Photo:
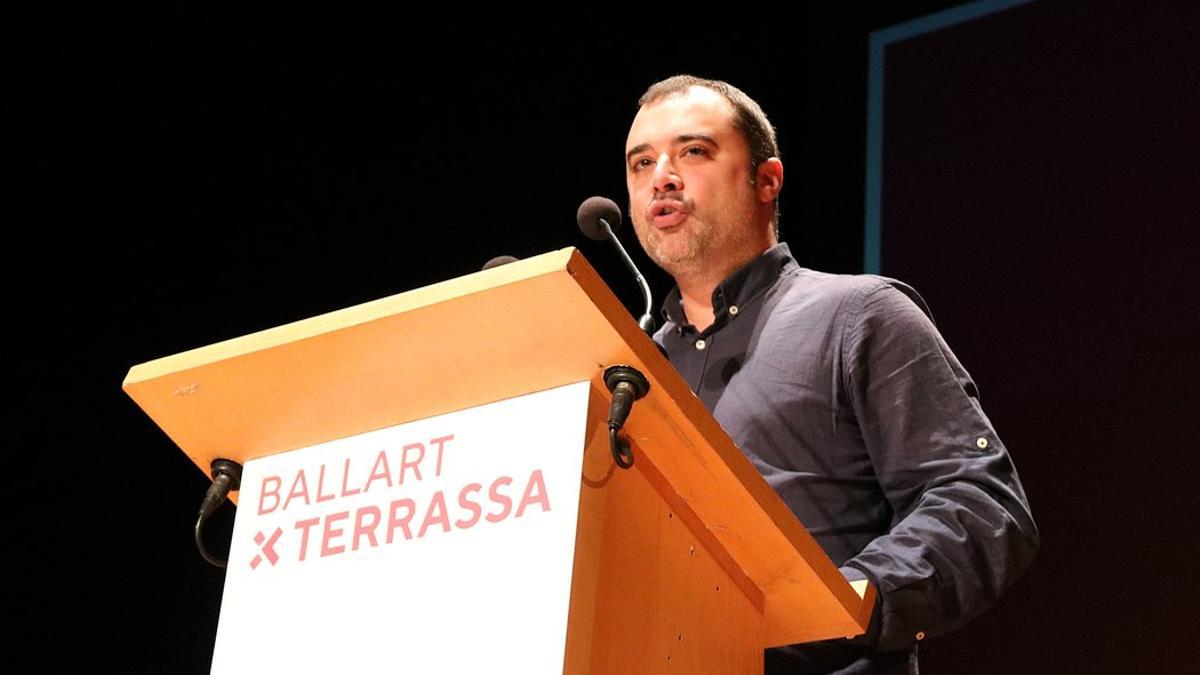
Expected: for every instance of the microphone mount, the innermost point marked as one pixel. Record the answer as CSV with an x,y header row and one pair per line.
x,y
627,385
227,477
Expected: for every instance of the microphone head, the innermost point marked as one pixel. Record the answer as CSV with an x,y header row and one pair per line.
x,y
592,210
498,261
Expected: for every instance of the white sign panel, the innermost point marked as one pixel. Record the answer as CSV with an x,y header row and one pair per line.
x,y
438,546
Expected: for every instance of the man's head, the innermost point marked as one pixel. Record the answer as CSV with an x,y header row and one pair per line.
x,y
703,175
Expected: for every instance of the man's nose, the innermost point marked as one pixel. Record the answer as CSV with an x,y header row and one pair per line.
x,y
665,178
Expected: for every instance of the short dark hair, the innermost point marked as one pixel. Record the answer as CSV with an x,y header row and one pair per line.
x,y
748,117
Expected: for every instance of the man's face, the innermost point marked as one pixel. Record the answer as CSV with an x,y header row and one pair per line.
x,y
688,173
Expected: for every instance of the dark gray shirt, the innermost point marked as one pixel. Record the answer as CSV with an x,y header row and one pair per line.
x,y
844,396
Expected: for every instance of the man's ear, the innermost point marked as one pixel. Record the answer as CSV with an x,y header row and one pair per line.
x,y
768,179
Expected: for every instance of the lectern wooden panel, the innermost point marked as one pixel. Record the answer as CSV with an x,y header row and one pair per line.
x,y
520,328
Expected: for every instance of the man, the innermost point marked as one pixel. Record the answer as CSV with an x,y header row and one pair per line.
x,y
838,388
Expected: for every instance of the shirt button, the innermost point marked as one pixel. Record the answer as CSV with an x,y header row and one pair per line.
x,y
700,344
981,443
733,309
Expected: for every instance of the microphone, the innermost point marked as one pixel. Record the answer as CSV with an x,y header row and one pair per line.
x,y
498,261
598,219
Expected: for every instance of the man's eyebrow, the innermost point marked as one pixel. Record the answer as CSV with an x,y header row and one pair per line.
x,y
688,138
682,138
636,150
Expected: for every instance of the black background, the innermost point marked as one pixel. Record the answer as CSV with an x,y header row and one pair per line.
x,y
183,178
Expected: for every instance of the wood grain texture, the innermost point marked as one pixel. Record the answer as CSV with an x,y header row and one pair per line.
x,y
648,594
520,328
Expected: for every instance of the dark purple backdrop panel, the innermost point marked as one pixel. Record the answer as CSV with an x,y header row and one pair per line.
x,y
1040,188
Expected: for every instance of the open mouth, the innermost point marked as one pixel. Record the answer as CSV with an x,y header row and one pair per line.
x,y
667,214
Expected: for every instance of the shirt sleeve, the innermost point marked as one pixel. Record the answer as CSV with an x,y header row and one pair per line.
x,y
962,530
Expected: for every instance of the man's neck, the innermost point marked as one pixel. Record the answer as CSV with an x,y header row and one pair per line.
x,y
697,304
696,289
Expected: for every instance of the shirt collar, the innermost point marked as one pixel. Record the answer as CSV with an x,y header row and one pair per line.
x,y
740,288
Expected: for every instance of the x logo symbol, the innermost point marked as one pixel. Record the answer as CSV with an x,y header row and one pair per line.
x,y
268,549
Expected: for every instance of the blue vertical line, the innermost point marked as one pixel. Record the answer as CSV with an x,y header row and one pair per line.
x,y
872,244
877,47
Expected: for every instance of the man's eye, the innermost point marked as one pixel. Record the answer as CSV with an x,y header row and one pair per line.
x,y
642,163
696,150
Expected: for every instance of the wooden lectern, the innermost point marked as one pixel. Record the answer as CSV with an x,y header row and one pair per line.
x,y
687,562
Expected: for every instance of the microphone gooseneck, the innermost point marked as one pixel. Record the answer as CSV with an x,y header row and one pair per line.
x,y
599,218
